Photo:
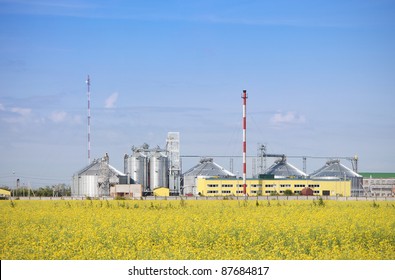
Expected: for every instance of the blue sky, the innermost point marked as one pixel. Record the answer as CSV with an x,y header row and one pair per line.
x,y
320,78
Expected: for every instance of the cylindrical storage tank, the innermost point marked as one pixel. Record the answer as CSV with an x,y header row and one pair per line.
x,y
159,166
137,167
88,185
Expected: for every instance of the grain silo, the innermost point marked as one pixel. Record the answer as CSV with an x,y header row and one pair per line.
x,y
136,165
334,170
148,167
282,169
206,168
158,169
95,179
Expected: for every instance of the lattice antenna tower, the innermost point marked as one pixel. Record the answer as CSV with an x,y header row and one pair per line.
x,y
88,84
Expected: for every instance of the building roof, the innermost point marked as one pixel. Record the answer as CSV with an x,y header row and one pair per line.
x,y
377,175
334,169
207,167
282,169
96,166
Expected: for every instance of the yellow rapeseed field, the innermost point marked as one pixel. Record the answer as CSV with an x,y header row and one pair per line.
x,y
197,230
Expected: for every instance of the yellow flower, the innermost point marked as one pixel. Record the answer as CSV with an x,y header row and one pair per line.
x,y
196,230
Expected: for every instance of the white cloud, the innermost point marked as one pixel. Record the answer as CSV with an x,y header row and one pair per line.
x,y
58,116
279,119
19,114
24,112
110,101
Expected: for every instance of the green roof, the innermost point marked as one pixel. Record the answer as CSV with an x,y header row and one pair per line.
x,y
377,175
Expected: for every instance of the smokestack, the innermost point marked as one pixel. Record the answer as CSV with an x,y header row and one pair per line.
x,y
244,96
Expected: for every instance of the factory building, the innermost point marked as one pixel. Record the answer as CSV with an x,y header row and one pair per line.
x,y
126,190
378,184
333,180
262,187
4,194
206,168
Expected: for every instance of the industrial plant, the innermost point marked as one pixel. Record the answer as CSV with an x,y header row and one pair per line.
x,y
158,172
155,168
147,171
155,171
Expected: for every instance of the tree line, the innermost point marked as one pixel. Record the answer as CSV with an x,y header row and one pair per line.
x,y
54,191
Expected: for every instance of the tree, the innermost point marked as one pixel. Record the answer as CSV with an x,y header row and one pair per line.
x,y
288,192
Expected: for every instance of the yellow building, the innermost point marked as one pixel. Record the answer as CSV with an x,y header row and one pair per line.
x,y
161,191
5,194
255,187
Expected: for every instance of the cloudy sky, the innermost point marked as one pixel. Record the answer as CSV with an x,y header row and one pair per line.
x,y
320,78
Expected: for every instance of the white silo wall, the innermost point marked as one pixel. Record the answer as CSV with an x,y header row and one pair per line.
x,y
88,185
159,166
137,167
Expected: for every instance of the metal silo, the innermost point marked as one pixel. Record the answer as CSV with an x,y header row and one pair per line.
x,y
159,166
88,185
281,169
85,181
95,179
334,170
137,167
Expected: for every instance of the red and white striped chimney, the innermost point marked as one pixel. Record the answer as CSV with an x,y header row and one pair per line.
x,y
244,96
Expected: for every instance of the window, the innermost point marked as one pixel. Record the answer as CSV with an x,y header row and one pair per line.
x,y
316,192
240,186
314,186
212,191
239,191
227,186
256,186
225,192
269,186
299,186
285,186
326,192
212,186
270,192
